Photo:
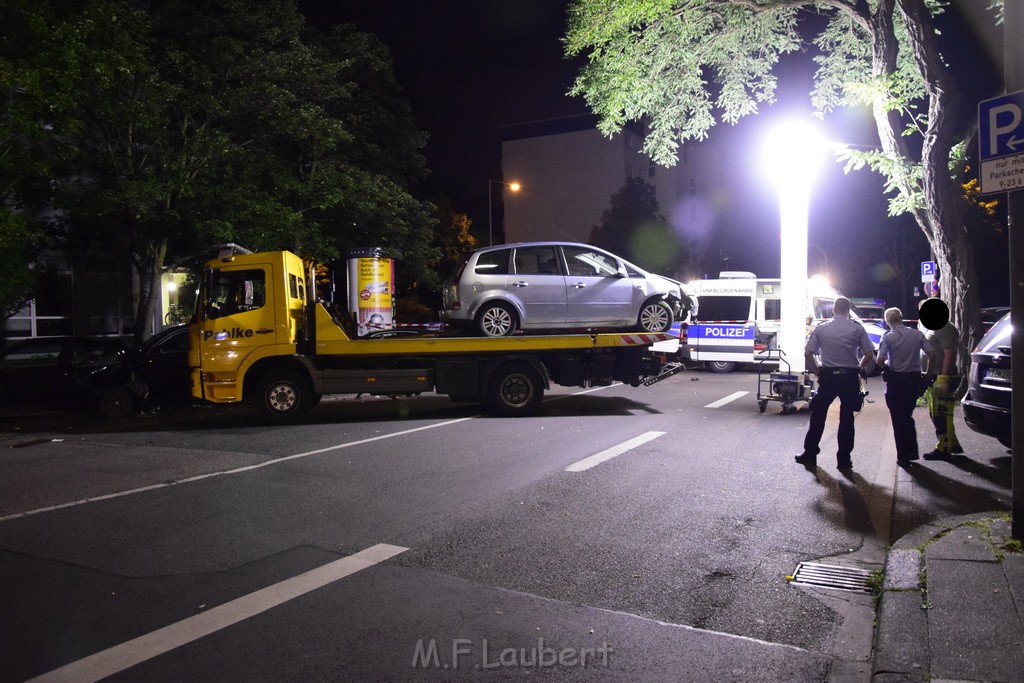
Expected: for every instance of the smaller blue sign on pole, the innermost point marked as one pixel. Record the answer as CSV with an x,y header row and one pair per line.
x,y
928,271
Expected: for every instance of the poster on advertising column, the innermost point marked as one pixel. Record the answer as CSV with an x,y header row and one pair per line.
x,y
371,280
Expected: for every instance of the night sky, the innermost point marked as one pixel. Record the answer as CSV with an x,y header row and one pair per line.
x,y
468,67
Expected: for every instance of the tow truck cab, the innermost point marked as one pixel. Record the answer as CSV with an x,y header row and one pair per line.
x,y
252,308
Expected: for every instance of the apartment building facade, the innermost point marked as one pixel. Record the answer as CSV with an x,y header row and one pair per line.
x,y
569,172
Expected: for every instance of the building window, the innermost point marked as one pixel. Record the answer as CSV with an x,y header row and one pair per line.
x,y
52,312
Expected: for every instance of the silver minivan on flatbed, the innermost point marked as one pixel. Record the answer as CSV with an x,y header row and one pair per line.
x,y
557,286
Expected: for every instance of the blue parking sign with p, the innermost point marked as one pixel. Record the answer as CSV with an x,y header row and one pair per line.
x,y
927,271
1001,126
1001,143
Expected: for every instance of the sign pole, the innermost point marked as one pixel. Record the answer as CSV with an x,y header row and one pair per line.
x,y
1013,75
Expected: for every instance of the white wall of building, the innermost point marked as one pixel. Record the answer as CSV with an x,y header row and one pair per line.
x,y
568,179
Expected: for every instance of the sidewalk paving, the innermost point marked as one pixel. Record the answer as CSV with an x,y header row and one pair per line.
x,y
950,607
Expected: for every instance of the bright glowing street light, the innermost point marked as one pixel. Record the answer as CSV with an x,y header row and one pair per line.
x,y
792,154
513,186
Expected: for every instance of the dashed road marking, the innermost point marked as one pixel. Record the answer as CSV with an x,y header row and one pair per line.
x,y
728,399
612,452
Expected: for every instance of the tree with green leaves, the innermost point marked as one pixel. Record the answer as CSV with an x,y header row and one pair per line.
x,y
633,227
420,299
219,120
19,245
683,65
35,67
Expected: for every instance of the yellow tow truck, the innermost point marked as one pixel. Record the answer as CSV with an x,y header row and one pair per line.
x,y
262,335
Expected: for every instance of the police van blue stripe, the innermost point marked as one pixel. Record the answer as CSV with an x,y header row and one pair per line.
x,y
720,332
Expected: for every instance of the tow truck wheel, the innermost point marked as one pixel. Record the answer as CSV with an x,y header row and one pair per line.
x,y
719,365
516,389
496,320
655,316
283,395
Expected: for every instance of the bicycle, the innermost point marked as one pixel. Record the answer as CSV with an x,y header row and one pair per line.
x,y
177,315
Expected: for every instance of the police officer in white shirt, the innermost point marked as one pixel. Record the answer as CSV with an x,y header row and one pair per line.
x,y
899,356
838,342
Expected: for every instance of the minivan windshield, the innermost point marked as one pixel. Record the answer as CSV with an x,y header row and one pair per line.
x,y
723,309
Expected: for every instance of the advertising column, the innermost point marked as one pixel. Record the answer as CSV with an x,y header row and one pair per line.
x,y
371,290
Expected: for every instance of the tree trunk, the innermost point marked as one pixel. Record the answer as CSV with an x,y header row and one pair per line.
x,y
944,205
150,269
941,214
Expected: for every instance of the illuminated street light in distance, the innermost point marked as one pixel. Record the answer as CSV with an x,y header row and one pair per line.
x,y
514,186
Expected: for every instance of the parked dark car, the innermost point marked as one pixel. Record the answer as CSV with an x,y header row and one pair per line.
x,y
162,363
68,372
991,315
987,402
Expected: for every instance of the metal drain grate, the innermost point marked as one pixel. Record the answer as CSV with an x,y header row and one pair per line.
x,y
832,576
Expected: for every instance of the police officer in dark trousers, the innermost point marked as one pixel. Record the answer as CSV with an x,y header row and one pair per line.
x,y
899,356
837,341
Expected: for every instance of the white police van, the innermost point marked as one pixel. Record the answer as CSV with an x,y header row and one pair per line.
x,y
738,318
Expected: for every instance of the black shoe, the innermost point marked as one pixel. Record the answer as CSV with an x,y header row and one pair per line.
x,y
911,458
807,460
905,462
844,465
957,450
936,455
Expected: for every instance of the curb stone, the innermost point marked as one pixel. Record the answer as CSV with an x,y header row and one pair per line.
x,y
905,649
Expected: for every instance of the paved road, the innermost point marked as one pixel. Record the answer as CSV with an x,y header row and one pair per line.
x,y
417,539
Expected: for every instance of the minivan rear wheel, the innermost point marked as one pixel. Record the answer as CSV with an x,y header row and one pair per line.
x,y
496,319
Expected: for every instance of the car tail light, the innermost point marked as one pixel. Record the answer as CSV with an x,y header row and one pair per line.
x,y
458,273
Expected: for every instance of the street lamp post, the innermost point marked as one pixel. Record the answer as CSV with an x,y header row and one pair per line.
x,y
792,155
513,186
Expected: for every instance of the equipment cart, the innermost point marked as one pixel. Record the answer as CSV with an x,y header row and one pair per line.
x,y
781,384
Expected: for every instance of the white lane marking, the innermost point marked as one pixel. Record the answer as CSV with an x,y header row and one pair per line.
x,y
599,458
728,399
128,654
237,470
548,399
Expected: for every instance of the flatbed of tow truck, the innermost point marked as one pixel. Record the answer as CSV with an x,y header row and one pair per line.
x,y
261,335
